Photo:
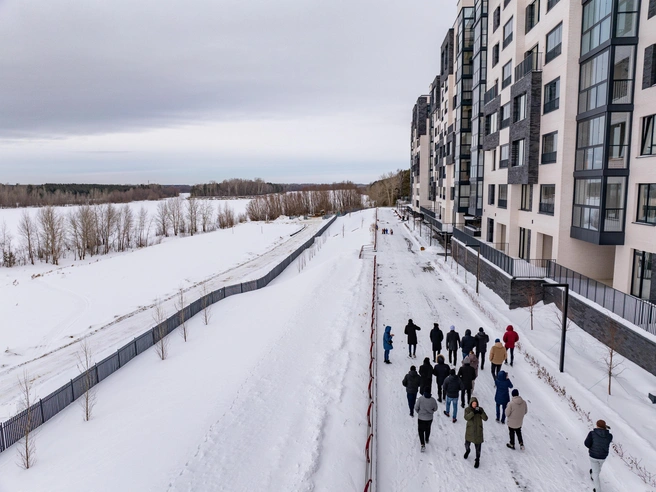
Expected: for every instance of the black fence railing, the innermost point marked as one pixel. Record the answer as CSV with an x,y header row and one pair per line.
x,y
553,53
14,428
550,106
549,157
491,94
530,64
547,208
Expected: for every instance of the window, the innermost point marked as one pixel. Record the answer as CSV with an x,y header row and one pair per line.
x,y
518,153
551,3
649,67
508,33
505,116
502,201
526,203
648,142
587,200
618,140
614,206
494,159
495,55
505,156
596,24
490,194
641,279
491,123
549,148
547,199
506,77
590,144
524,243
594,83
552,96
623,74
532,15
554,43
519,109
652,9
626,19
647,203
496,19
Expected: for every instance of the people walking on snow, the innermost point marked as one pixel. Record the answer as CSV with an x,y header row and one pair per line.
x,y
502,395
411,330
441,371
452,343
515,412
426,377
452,387
497,357
481,345
387,343
474,415
467,374
467,343
425,407
391,232
436,337
473,361
411,382
510,338
598,444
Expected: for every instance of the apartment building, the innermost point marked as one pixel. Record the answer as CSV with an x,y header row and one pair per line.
x,y
420,153
552,106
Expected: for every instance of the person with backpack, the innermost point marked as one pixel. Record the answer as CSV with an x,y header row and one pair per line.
x,y
497,357
452,343
425,377
481,345
473,361
467,343
510,338
441,372
436,337
425,407
502,395
387,343
598,444
411,382
452,387
475,416
515,412
467,374
411,330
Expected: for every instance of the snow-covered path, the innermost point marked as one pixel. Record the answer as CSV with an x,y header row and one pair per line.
x,y
413,286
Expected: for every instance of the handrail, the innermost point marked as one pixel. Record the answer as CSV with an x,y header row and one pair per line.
x,y
370,447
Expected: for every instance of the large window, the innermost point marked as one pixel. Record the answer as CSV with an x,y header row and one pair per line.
x,y
547,199
526,202
614,207
505,156
626,19
623,74
649,66
590,144
552,96
518,153
648,138
641,282
506,79
524,243
519,111
551,3
502,202
594,83
495,55
587,200
496,19
549,148
532,15
505,116
490,194
647,203
618,145
508,33
554,43
596,24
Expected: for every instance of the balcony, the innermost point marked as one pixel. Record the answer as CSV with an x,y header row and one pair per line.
x,y
546,208
532,63
491,94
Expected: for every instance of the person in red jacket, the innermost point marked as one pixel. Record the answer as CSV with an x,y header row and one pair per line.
x,y
510,338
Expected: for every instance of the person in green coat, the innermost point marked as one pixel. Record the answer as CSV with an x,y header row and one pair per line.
x,y
474,415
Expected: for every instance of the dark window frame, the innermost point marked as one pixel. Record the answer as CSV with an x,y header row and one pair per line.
x,y
502,202
547,207
507,38
508,80
496,19
495,55
515,153
490,194
549,157
551,104
555,50
648,209
648,134
504,163
526,198
532,15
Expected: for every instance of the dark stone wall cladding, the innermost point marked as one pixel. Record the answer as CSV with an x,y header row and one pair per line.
x,y
516,293
447,46
528,129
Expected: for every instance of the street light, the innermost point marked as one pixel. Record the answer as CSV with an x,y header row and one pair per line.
x,y
478,263
562,337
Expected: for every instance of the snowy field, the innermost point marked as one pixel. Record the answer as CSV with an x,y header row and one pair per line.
x,y
272,395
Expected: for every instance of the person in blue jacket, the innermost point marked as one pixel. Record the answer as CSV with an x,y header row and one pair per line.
x,y
387,343
502,396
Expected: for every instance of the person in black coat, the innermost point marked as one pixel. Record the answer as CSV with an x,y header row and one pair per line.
x,y
436,337
441,371
467,344
411,381
452,387
481,345
452,343
426,377
411,330
467,374
598,444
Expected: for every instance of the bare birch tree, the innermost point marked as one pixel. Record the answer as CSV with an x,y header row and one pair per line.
x,y
142,228
162,342
27,231
85,365
26,446
206,214
53,234
163,218
192,215
176,215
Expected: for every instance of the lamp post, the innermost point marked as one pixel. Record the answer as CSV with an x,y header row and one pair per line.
x,y
478,263
564,333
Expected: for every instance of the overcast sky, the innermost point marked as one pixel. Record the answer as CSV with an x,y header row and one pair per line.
x,y
187,91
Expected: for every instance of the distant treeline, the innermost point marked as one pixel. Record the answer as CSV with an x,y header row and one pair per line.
x,y
14,196
257,186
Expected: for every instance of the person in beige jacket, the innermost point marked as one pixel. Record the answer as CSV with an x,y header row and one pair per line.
x,y
497,357
515,412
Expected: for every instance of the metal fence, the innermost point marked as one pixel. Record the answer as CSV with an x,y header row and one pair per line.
x,y
41,411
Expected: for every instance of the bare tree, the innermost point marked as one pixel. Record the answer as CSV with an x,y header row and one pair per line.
x,y
192,214
611,361
162,342
207,306
180,306
85,365
176,215
124,226
53,234
532,299
142,228
163,218
226,216
206,214
27,448
8,256
106,225
27,230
